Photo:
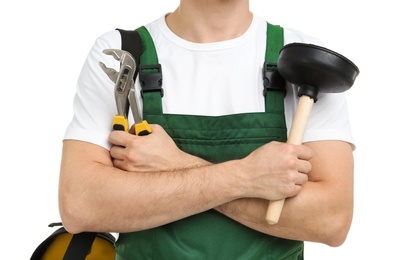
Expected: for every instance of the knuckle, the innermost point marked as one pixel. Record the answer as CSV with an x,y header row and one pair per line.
x,y
291,164
292,178
289,148
129,155
290,190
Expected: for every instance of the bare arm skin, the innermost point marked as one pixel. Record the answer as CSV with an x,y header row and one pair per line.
x,y
94,195
321,212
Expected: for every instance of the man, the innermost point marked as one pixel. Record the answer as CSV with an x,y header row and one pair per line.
x,y
172,203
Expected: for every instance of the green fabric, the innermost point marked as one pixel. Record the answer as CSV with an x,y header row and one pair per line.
x,y
218,139
275,39
208,235
149,57
211,235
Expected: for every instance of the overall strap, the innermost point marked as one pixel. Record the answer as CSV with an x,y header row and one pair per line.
x,y
132,43
150,73
274,83
140,44
274,43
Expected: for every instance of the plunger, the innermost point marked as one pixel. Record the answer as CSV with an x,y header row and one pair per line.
x,y
313,69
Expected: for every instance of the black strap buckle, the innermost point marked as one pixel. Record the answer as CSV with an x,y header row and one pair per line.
x,y
151,78
272,80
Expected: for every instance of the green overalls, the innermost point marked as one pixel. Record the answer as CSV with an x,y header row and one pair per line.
x,y
211,235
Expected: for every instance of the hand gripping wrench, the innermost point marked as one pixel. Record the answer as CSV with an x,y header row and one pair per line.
x,y
125,92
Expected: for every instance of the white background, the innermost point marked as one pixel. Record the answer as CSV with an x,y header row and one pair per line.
x,y
44,44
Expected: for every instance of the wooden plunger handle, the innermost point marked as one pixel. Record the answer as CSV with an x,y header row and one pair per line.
x,y
296,134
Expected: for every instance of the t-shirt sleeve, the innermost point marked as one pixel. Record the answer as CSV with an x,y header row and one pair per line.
x,y
329,118
94,101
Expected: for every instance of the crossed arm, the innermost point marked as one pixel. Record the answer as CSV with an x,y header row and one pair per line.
x,y
144,182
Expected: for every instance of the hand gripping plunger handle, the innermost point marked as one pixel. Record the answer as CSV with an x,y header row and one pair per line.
x,y
295,137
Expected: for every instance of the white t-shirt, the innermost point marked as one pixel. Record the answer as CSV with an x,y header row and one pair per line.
x,y
209,79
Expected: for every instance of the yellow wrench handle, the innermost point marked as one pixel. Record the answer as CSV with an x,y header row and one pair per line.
x,y
142,128
120,123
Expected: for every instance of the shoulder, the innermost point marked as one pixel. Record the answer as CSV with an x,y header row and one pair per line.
x,y
109,39
157,27
290,34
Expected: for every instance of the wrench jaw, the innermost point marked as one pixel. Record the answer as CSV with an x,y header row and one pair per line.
x,y
125,58
111,73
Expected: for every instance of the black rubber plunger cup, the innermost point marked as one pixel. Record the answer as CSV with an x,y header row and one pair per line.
x,y
313,69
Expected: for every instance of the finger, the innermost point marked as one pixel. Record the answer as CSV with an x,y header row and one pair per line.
x,y
304,166
120,164
303,178
118,138
305,153
116,152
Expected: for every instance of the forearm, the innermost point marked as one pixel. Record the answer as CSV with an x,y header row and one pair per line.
x,y
321,212
97,196
309,216
109,199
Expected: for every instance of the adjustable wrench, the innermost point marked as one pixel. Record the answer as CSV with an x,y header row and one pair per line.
x,y
125,92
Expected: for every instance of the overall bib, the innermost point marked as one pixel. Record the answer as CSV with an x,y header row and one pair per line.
x,y
211,235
